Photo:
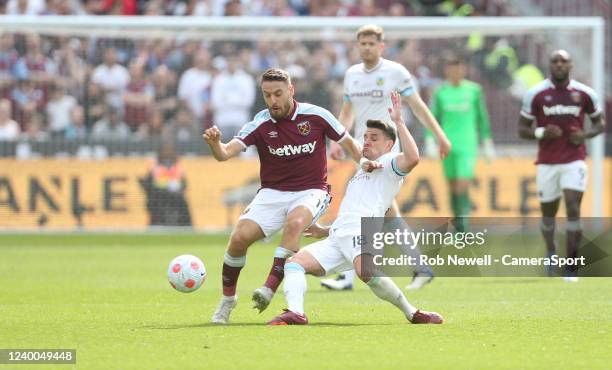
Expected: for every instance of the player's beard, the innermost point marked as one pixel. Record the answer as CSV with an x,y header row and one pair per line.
x,y
282,113
560,77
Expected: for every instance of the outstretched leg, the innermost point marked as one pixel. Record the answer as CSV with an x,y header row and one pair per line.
x,y
295,288
384,288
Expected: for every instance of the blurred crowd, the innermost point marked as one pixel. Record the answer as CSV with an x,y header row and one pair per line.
x,y
363,8
114,89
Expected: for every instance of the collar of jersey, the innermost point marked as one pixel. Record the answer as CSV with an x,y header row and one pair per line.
x,y
561,87
380,62
295,112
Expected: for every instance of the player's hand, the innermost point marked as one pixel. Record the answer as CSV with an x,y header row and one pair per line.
x,y
444,147
395,112
431,149
552,132
335,151
369,166
577,136
212,135
316,231
488,150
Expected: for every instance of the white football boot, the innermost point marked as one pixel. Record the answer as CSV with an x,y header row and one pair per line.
x,y
262,298
224,309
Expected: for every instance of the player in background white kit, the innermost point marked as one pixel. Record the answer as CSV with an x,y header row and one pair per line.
x,y
367,88
368,194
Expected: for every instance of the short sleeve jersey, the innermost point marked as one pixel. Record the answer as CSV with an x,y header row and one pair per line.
x,y
369,194
292,150
563,106
369,91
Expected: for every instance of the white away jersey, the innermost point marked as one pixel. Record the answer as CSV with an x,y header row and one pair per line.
x,y
368,195
369,91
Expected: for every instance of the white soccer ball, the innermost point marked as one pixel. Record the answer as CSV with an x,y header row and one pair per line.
x,y
186,273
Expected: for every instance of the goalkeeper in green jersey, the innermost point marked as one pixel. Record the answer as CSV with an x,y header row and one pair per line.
x,y
459,106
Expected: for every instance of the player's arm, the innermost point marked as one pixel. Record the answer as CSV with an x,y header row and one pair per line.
x,y
527,131
347,115
484,126
352,147
409,157
598,124
430,146
423,114
317,231
347,119
221,152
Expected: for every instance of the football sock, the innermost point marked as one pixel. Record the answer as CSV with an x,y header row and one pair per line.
x,y
295,287
231,271
385,289
574,235
397,223
547,227
278,265
461,210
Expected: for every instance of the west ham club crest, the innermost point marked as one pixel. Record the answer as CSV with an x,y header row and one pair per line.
x,y
304,128
576,97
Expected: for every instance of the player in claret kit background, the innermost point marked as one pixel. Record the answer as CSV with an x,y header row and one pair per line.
x,y
558,106
290,140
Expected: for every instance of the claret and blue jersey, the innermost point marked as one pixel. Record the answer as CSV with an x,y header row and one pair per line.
x,y
292,150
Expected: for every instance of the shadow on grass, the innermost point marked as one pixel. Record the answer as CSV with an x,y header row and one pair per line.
x,y
514,280
250,324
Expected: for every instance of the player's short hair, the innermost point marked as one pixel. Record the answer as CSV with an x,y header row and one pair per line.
x,y
453,59
371,30
561,53
276,74
386,128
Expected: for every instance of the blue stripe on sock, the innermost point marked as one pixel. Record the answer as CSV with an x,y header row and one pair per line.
x,y
294,266
281,252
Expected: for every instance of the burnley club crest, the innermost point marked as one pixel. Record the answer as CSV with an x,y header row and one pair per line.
x,y
304,128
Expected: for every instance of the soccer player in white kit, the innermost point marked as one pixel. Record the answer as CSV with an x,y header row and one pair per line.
x,y
367,88
369,194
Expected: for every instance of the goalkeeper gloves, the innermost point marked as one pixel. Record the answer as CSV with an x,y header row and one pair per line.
x,y
488,149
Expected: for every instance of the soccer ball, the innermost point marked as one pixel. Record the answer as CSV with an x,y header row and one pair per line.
x,y
186,273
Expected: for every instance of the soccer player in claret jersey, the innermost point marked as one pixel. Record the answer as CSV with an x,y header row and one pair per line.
x,y
369,194
290,140
367,89
558,106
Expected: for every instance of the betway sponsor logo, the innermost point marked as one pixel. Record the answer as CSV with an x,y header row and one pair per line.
x,y
558,110
288,150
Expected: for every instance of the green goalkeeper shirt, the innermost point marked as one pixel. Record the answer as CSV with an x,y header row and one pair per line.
x,y
462,113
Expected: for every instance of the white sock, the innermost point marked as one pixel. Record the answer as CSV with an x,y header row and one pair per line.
x,y
295,287
349,276
385,289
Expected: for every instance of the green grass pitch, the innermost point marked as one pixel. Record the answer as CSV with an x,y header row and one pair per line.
x,y
107,296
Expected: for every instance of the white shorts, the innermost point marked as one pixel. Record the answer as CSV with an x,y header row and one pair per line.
x,y
270,207
552,179
335,254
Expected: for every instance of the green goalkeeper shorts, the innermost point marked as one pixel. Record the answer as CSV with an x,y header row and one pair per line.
x,y
460,165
